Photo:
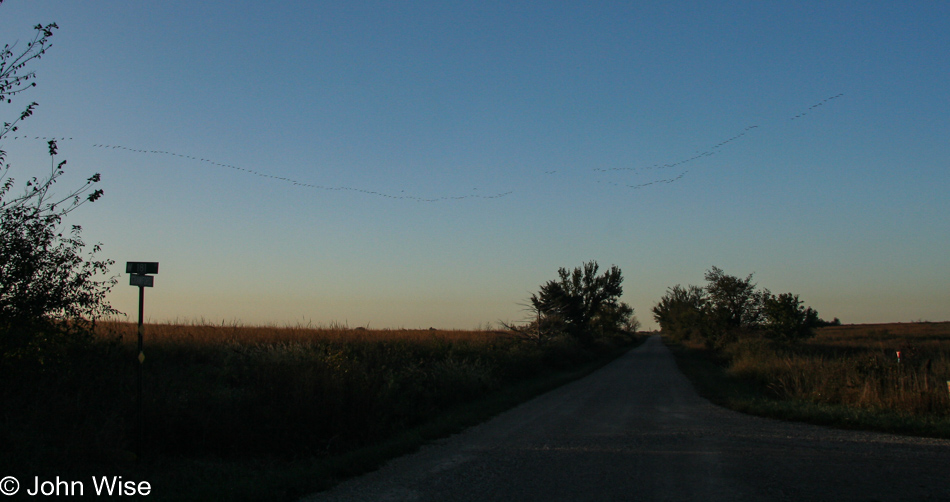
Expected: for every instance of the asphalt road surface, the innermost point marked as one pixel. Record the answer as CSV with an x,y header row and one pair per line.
x,y
637,430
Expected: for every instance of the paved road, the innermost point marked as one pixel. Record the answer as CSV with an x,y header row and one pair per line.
x,y
636,430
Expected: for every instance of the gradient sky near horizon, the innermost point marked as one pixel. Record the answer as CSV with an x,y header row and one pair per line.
x,y
421,163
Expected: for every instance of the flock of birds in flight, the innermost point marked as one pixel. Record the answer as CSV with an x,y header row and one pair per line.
x,y
707,153
655,167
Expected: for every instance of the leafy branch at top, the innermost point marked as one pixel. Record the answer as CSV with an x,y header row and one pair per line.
x,y
13,78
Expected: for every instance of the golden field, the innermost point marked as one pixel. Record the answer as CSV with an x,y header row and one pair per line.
x,y
856,365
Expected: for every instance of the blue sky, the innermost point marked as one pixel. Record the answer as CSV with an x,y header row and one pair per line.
x,y
416,164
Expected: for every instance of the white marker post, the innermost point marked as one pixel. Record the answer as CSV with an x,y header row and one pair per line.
x,y
139,277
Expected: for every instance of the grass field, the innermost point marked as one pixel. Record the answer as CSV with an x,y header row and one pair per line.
x,y
846,375
267,411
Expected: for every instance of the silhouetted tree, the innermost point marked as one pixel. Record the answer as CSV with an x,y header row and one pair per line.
x,y
682,312
614,317
734,304
730,307
582,303
785,318
50,294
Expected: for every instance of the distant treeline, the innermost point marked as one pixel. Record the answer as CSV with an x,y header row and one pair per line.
x,y
729,308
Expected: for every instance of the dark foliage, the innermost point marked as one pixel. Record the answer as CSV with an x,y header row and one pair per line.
x,y
682,313
733,303
51,293
730,308
582,304
784,317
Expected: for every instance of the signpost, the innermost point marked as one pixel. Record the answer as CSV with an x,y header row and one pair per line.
x,y
139,277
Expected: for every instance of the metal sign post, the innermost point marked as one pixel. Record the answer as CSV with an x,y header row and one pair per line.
x,y
138,277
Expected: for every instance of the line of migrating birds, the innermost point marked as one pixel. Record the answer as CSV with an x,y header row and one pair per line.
x,y
655,167
310,185
816,105
709,152
680,162
280,178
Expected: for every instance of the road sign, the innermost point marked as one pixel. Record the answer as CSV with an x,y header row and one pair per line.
x,y
141,267
145,281
137,271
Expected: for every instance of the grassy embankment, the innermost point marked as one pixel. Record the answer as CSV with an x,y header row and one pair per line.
x,y
255,413
846,376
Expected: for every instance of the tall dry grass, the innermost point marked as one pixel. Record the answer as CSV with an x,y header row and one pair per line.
x,y
855,365
233,391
